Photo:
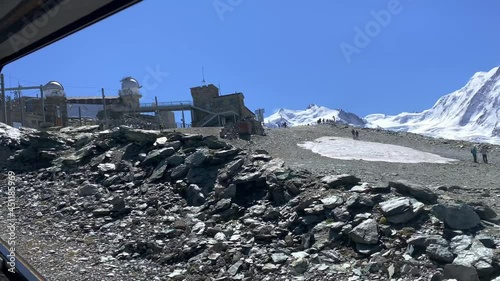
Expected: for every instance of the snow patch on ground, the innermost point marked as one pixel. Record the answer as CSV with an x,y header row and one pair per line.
x,y
349,149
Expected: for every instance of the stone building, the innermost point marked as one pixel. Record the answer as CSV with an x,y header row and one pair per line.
x,y
213,109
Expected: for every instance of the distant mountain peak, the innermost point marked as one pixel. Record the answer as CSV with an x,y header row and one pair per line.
x,y
470,113
310,115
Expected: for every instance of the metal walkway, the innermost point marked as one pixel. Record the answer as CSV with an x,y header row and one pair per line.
x,y
162,106
175,106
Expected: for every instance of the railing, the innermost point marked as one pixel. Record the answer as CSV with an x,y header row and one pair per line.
x,y
172,103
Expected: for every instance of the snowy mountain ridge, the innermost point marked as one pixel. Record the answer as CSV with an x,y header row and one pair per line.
x,y
471,113
310,116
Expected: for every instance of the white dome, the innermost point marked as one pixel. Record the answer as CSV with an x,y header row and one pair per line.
x,y
129,83
53,89
129,86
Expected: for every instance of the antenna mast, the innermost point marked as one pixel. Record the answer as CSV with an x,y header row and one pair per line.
x,y
203,75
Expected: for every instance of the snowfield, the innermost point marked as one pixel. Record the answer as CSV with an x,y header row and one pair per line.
x,y
349,149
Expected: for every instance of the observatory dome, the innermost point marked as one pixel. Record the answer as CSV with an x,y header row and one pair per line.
x,y
53,89
129,86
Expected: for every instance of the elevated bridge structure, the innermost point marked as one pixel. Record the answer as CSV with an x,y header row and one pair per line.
x,y
211,118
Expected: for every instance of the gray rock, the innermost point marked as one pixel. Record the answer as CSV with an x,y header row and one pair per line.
x,y
401,210
300,265
279,258
179,171
485,212
101,212
138,136
88,190
326,232
106,167
230,170
160,142
439,253
365,233
460,243
159,171
460,216
362,188
194,196
235,268
332,202
173,144
478,256
426,240
175,160
487,241
421,193
156,156
118,204
460,273
213,142
226,153
269,267
335,181
197,158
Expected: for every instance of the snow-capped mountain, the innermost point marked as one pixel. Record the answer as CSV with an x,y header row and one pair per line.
x,y
471,113
310,116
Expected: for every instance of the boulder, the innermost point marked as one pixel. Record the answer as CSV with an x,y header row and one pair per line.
x,y
457,216
401,210
421,193
460,273
142,137
365,233
460,243
88,190
157,155
332,201
478,257
439,253
197,158
335,181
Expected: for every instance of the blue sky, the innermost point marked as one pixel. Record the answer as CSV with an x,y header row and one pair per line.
x,y
280,53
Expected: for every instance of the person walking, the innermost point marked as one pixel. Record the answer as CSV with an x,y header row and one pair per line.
x,y
474,153
353,134
484,152
357,134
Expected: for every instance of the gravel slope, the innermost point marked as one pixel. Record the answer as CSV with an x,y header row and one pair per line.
x,y
476,181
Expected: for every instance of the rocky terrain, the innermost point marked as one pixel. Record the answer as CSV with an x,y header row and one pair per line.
x,y
128,204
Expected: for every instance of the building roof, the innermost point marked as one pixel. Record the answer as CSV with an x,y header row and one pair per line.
x,y
253,114
234,94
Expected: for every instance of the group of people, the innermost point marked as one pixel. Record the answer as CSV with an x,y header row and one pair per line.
x,y
355,134
483,149
282,124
